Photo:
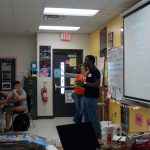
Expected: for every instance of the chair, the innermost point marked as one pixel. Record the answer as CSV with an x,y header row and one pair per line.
x,y
29,109
23,113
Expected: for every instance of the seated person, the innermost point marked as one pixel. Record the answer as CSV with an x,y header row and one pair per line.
x,y
2,96
19,102
2,101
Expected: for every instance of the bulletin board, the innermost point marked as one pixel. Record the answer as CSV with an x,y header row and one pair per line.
x,y
115,72
7,73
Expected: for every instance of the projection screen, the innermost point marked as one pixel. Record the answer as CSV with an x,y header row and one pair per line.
x,y
137,54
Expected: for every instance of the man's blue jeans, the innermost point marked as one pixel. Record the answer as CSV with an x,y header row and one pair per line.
x,y
90,107
79,105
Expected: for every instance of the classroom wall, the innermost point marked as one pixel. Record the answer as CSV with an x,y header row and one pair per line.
x,y
114,26
95,43
23,47
139,119
78,41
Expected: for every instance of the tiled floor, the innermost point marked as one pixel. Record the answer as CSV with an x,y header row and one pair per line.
x,y
47,127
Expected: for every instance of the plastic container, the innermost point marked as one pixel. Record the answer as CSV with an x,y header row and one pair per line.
x,y
107,136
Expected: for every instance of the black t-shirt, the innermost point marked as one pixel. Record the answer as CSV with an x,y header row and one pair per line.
x,y
93,75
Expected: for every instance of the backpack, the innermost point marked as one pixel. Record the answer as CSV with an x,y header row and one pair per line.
x,y
21,122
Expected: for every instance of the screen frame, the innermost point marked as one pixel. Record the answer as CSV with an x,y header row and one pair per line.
x,y
135,99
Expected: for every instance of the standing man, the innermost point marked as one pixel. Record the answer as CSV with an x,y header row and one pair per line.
x,y
91,94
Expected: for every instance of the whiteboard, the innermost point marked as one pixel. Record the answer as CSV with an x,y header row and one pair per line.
x,y
115,72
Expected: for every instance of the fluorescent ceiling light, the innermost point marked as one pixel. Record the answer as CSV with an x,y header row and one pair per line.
x,y
65,28
69,12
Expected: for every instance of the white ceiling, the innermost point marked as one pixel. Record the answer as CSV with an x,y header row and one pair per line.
x,y
25,16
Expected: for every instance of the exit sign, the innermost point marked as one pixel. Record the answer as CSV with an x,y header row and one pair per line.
x,y
65,36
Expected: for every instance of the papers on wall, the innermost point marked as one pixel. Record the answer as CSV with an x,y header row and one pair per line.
x,y
68,98
73,62
100,66
72,80
57,73
138,120
115,72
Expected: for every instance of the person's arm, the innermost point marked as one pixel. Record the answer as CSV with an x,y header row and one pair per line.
x,y
10,97
96,82
78,82
70,75
17,96
94,85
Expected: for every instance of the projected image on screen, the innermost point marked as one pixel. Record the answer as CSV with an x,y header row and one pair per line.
x,y
137,54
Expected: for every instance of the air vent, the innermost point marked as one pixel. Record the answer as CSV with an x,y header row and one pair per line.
x,y
48,17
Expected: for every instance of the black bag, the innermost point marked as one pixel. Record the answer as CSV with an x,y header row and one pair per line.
x,y
21,122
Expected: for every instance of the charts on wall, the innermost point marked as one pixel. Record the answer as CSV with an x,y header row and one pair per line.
x,y
68,97
115,72
7,73
45,61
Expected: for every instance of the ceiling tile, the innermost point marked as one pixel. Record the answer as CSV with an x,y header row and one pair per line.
x,y
28,10
28,2
27,27
25,17
92,4
5,3
7,29
6,16
61,3
5,10
7,22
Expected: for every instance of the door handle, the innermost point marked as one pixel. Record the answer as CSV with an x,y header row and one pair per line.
x,y
59,86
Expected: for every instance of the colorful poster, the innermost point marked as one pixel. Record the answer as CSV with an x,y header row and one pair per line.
x,y
67,62
68,98
45,61
138,120
57,73
72,80
73,62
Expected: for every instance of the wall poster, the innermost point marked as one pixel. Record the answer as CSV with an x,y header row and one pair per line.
x,y
68,98
110,40
45,61
103,42
7,73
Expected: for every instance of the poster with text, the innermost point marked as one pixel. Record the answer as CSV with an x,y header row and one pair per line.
x,y
45,61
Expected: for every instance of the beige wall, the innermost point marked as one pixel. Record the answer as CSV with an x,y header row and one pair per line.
x,y
25,49
21,46
95,43
114,26
78,41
